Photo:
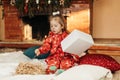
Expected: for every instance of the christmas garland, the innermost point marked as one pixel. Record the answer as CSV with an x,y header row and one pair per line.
x,y
40,7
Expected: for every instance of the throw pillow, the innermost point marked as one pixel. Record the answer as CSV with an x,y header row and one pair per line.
x,y
30,52
84,72
100,60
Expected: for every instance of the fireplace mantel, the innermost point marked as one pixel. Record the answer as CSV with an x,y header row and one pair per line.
x,y
20,45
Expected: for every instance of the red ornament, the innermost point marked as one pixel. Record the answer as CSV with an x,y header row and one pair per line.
x,y
26,8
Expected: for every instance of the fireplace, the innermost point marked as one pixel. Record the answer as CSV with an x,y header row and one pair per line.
x,y
11,31
39,25
11,34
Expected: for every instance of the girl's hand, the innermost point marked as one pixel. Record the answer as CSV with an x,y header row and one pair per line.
x,y
37,52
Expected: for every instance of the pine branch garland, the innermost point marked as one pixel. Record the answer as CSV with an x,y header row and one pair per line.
x,y
38,7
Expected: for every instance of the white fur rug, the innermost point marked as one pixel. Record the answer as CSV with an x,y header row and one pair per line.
x,y
8,63
10,60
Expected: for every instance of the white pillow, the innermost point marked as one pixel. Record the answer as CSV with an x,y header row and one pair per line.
x,y
84,72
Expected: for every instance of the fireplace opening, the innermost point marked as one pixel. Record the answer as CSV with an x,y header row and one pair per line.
x,y
39,25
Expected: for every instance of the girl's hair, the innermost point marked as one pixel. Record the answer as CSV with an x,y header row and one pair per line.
x,y
60,19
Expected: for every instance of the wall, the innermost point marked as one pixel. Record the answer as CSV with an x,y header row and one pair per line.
x,y
106,19
79,18
1,24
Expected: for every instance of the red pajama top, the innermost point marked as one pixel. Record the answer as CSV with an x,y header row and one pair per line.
x,y
52,43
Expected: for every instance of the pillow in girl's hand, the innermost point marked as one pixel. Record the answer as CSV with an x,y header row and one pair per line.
x,y
100,60
84,72
77,42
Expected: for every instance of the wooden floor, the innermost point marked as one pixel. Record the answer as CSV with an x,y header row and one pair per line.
x,y
109,49
105,49
22,45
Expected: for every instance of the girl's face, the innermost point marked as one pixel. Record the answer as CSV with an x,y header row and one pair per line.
x,y
56,27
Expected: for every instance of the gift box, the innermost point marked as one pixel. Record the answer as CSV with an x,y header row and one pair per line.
x,y
77,42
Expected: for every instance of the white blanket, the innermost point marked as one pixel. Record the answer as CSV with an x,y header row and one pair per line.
x,y
28,77
13,57
9,62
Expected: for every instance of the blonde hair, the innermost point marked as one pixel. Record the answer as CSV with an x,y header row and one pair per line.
x,y
60,19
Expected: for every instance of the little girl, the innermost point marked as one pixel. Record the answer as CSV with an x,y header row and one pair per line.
x,y
57,59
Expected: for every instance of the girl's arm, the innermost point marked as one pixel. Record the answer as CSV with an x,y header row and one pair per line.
x,y
46,46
